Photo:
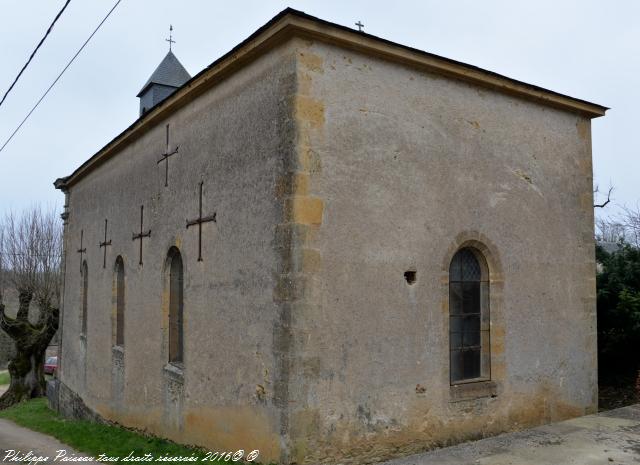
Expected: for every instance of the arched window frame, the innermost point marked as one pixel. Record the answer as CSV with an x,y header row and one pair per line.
x,y
175,271
84,302
469,317
120,290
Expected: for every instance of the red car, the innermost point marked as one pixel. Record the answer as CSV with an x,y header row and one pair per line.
x,y
50,365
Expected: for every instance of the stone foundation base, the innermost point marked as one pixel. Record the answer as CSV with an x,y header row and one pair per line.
x,y
52,394
69,404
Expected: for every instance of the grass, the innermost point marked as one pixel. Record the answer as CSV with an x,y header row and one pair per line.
x,y
94,439
5,378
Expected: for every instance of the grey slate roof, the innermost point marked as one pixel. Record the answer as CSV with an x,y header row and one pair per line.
x,y
169,72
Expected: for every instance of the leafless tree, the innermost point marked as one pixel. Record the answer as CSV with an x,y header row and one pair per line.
x,y
609,230
30,254
604,203
631,221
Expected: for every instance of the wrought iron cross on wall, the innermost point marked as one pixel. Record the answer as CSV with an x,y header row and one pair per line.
x,y
81,250
165,158
199,220
142,234
105,244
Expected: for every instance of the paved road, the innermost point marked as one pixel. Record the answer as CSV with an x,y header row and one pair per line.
x,y
22,441
25,441
611,438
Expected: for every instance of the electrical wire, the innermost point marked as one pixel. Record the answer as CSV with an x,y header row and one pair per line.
x,y
34,52
59,76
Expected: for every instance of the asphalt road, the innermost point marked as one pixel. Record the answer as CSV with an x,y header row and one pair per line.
x,y
609,438
16,442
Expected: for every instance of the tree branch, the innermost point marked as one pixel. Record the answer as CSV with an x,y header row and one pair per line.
x,y
13,327
606,202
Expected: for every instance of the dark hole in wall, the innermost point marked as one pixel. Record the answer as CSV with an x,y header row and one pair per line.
x,y
410,276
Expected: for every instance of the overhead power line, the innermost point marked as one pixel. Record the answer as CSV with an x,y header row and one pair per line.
x,y
59,75
34,52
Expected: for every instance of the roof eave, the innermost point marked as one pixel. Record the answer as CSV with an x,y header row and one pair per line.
x,y
145,88
61,183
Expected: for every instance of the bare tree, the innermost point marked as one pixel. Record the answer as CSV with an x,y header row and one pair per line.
x,y
631,221
31,251
609,230
604,203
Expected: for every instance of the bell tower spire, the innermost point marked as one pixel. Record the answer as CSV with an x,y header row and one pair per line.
x,y
165,80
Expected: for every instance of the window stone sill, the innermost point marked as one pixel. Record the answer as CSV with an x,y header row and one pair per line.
x,y
174,372
118,349
472,390
117,357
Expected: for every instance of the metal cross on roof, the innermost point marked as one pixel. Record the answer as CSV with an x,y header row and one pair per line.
x,y
360,26
170,39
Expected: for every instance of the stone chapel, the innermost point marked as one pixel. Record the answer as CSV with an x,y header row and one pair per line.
x,y
332,248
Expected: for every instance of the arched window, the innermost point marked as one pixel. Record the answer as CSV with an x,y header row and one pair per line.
x,y
176,332
469,317
119,270
85,290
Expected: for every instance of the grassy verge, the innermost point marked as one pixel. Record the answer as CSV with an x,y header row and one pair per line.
x,y
94,439
5,377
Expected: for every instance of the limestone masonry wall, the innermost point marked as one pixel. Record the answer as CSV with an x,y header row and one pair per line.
x,y
401,169
332,173
231,139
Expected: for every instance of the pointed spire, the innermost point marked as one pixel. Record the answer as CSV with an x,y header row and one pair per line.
x,y
165,80
169,72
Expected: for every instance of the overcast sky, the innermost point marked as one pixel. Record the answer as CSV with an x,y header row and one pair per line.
x,y
584,48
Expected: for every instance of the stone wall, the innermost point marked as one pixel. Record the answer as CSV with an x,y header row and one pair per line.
x,y
332,174
231,139
401,168
69,404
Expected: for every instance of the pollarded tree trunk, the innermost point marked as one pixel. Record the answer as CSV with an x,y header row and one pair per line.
x,y
31,341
